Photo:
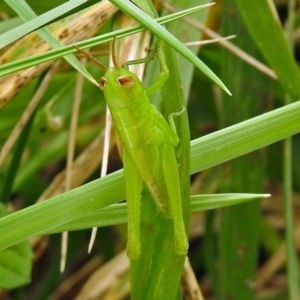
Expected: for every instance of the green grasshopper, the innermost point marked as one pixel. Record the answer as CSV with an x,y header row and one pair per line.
x,y
148,149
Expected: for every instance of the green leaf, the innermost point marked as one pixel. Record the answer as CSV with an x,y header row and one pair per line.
x,y
269,37
170,39
206,202
206,152
244,137
242,232
117,213
150,280
27,14
15,263
57,53
34,22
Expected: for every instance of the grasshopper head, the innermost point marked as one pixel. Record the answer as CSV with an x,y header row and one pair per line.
x,y
120,86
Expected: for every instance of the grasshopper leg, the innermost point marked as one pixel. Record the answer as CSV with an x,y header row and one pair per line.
x,y
133,184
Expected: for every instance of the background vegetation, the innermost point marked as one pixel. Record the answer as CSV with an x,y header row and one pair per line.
x,y
52,132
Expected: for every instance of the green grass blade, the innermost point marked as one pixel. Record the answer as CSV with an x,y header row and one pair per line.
x,y
267,32
288,165
15,161
244,137
117,213
171,40
36,22
239,230
49,214
207,202
152,280
206,152
57,53
27,14
15,263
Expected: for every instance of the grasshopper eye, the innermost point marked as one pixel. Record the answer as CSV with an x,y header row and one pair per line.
x,y
102,83
126,81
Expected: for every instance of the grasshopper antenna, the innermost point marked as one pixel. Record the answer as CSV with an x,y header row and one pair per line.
x,y
113,56
92,58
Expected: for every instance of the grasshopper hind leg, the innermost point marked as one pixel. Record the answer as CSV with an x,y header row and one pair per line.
x,y
133,184
172,182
